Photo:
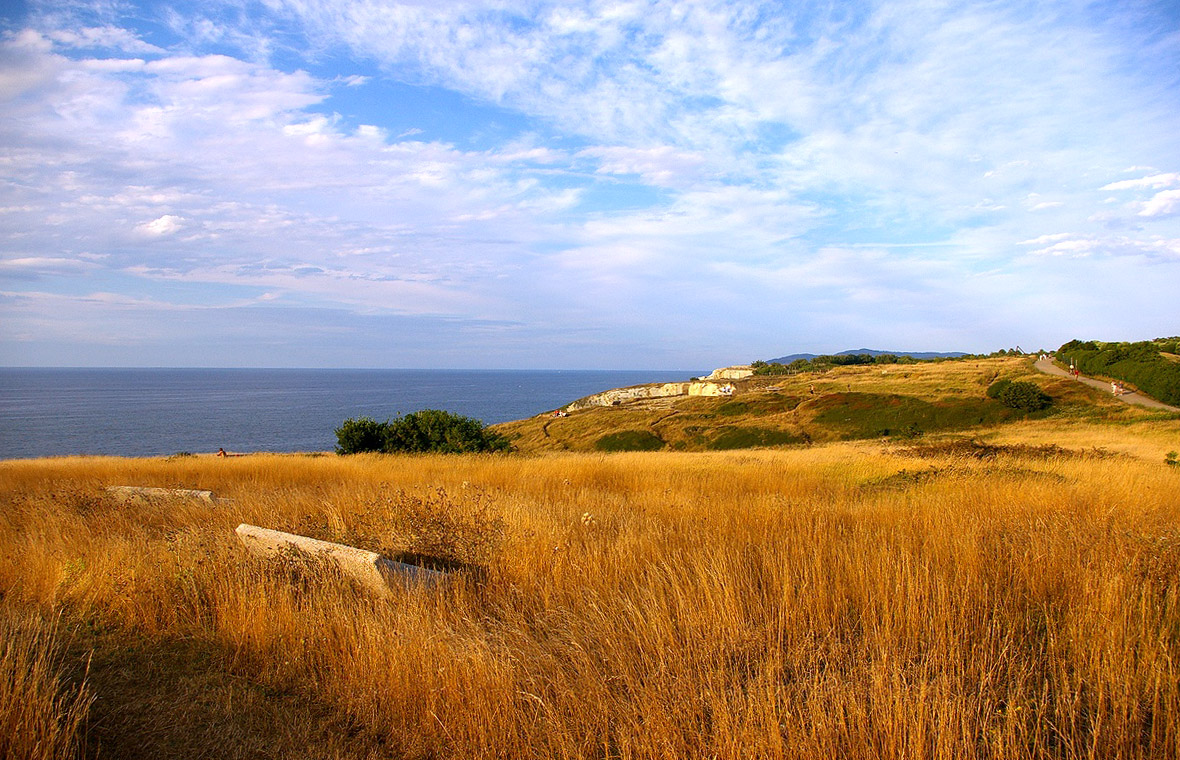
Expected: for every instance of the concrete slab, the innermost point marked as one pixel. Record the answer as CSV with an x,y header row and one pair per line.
x,y
370,569
149,493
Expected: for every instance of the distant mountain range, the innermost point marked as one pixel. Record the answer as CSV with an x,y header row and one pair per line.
x,y
872,352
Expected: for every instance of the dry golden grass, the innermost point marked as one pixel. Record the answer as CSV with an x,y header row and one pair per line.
x,y
845,600
40,717
1147,439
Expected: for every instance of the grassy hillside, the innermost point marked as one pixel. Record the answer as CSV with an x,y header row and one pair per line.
x,y
845,403
855,599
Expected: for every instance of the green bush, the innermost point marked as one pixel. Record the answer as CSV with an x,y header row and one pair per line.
x,y
360,435
430,430
433,430
995,389
1022,395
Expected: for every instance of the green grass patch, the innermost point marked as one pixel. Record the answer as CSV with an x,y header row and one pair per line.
x,y
760,404
629,440
871,415
735,437
733,408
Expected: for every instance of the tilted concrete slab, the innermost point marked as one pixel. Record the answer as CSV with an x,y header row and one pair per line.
x,y
373,571
148,493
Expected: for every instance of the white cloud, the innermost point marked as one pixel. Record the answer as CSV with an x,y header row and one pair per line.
x,y
104,37
40,266
167,224
663,165
1155,248
1041,240
1166,203
1155,181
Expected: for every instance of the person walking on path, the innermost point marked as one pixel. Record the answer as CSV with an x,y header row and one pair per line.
x,y
1048,367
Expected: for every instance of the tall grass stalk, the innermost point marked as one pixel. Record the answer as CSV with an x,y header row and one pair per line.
x,y
42,717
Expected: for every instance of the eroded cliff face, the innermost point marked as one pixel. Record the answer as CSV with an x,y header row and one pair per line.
x,y
632,393
707,386
731,373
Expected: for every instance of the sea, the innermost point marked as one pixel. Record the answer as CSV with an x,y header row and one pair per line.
x,y
47,412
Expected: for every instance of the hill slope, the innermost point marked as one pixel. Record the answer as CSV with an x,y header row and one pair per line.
x,y
844,403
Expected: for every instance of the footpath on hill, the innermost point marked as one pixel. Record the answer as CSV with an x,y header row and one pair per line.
x,y
1047,366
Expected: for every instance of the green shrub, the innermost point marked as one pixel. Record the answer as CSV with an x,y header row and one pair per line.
x,y
433,430
1022,395
430,430
629,440
995,389
360,435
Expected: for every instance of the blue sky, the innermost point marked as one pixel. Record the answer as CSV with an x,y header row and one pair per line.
x,y
581,184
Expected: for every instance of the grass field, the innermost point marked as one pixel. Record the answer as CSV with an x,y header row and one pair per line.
x,y
935,598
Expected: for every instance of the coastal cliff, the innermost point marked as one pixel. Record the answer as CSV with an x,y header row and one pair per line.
x,y
716,383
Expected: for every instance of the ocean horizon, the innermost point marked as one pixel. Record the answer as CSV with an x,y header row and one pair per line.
x,y
66,411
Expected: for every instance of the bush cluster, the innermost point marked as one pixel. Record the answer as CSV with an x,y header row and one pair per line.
x,y
1019,394
1140,364
995,389
827,361
430,430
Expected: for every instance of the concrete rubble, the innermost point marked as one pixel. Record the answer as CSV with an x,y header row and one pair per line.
x,y
370,569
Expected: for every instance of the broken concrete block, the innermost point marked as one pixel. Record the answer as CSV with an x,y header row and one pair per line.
x,y
147,493
373,571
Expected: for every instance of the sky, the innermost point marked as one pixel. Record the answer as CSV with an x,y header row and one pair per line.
x,y
608,184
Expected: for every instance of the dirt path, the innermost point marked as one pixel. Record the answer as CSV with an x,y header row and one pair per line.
x,y
1048,367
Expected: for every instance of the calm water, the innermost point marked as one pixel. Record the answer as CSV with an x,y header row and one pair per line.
x,y
151,412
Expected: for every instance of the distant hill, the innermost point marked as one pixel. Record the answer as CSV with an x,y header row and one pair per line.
x,y
873,352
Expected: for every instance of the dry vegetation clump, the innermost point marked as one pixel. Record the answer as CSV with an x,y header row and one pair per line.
x,y
744,604
976,449
41,716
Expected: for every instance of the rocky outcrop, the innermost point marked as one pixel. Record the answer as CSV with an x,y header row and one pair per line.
x,y
730,373
716,383
632,393
705,388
